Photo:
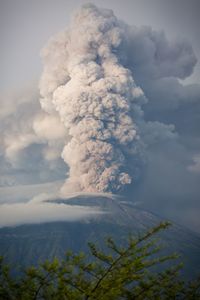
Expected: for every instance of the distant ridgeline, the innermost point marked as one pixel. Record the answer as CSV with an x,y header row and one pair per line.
x,y
25,245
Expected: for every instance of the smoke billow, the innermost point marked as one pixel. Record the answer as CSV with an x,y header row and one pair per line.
x,y
94,118
96,99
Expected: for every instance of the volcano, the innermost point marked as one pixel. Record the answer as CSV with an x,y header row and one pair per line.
x,y
25,245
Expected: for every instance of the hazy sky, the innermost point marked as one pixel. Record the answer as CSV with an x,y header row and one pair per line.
x,y
26,25
32,141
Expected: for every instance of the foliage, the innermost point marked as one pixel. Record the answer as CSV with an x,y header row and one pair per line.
x,y
116,273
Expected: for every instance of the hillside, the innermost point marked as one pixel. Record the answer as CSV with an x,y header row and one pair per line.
x,y
27,244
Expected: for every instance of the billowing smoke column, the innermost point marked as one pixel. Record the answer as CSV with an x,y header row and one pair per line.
x,y
94,96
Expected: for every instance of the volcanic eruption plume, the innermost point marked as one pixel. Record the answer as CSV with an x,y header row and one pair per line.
x,y
96,98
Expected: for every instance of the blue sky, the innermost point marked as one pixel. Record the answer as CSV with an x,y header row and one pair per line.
x,y
26,25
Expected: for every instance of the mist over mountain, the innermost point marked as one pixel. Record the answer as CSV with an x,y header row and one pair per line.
x,y
29,244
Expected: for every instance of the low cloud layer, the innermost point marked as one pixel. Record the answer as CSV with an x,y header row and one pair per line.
x,y
38,210
22,193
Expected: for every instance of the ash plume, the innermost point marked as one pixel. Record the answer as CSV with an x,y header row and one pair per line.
x,y
96,99
97,126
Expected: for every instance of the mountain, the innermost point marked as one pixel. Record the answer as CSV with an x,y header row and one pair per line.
x,y
27,244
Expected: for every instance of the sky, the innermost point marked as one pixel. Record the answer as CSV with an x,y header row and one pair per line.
x,y
26,25
168,180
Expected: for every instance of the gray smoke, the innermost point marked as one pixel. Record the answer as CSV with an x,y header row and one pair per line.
x,y
96,99
92,93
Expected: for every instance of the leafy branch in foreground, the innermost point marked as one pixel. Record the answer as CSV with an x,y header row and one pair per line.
x,y
117,273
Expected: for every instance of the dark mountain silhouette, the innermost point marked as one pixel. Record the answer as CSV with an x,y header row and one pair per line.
x,y
27,244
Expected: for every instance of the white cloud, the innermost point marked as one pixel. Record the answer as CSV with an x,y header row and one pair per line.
x,y
38,210
195,167
22,193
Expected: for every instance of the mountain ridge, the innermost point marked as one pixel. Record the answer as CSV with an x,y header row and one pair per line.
x,y
24,245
